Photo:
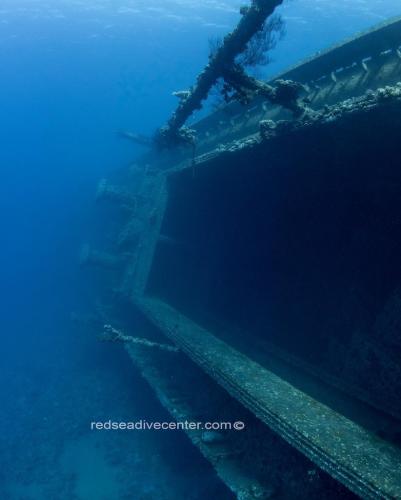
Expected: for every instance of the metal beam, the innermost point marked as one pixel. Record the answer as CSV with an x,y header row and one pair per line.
x,y
234,44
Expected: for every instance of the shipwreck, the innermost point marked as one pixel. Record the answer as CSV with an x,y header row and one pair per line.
x,y
259,251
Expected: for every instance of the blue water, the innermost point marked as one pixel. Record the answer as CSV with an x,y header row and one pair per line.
x,y
73,73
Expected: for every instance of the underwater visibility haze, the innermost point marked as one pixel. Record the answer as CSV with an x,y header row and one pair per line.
x,y
77,78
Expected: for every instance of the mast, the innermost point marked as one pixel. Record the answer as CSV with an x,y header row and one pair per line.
x,y
252,21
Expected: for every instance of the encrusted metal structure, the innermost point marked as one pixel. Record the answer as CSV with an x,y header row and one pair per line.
x,y
271,261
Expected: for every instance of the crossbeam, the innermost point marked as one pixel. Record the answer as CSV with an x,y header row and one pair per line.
x,y
234,43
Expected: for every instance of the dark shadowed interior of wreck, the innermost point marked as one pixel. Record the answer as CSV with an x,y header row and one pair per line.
x,y
296,255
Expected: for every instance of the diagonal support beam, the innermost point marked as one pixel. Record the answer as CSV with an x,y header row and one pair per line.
x,y
234,44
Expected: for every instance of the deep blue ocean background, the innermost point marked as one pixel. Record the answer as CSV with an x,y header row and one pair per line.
x,y
73,73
